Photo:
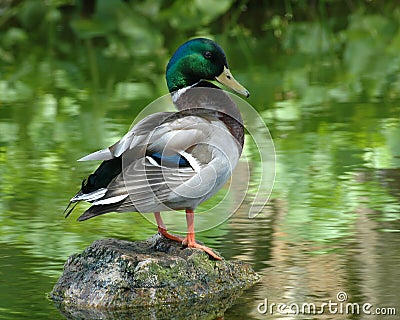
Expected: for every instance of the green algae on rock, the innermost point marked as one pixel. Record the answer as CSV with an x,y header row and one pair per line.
x,y
114,276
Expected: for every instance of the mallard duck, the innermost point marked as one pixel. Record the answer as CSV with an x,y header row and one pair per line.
x,y
173,160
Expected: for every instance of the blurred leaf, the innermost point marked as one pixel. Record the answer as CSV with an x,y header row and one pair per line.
x,y
131,91
14,36
183,15
13,92
87,29
31,13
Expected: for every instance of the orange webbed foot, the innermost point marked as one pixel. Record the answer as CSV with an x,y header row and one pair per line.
x,y
191,243
168,235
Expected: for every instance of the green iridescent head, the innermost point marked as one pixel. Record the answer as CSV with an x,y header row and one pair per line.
x,y
200,59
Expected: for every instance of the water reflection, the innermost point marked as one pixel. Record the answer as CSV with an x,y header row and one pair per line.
x,y
362,264
206,309
332,224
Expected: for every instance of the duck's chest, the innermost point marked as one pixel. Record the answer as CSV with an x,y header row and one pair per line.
x,y
220,148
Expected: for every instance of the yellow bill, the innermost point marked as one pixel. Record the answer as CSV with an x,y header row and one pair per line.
x,y
228,80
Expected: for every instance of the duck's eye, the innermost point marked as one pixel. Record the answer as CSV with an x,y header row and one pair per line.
x,y
207,54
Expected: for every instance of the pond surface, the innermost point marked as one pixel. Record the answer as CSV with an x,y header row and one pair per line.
x,y
329,232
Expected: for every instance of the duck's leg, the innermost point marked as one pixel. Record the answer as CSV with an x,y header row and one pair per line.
x,y
190,240
162,229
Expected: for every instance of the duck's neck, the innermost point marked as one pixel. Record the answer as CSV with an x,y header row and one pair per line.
x,y
197,95
206,98
177,94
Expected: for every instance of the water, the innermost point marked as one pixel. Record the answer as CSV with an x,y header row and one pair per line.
x,y
331,228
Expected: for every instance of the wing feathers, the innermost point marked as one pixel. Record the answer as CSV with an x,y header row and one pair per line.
x,y
144,182
104,154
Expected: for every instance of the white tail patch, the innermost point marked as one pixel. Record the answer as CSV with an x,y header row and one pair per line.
x,y
110,200
90,197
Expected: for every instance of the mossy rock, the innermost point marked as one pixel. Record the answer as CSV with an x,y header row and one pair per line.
x,y
148,278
